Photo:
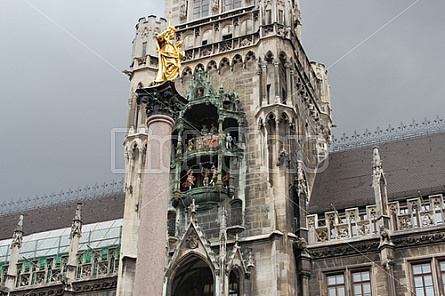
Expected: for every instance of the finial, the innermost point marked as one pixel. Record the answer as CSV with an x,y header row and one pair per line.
x,y
223,220
76,225
20,223
193,211
250,259
17,236
78,211
376,161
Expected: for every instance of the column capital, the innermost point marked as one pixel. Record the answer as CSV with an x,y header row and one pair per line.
x,y
162,99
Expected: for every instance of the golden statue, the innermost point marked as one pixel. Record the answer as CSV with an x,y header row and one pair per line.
x,y
170,56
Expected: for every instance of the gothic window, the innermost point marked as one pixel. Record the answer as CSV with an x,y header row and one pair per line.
x,y
428,277
349,283
234,284
442,274
423,279
232,4
361,283
336,285
144,49
200,8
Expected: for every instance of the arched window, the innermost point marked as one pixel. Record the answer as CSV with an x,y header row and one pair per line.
x,y
232,4
234,284
200,8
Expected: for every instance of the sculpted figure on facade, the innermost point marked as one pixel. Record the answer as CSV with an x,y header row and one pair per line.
x,y
215,5
170,55
183,9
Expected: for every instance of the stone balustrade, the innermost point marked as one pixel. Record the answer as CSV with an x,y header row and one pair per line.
x,y
52,270
357,223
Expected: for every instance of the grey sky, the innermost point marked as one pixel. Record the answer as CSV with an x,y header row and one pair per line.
x,y
60,100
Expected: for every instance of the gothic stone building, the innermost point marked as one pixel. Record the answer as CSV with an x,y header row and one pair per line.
x,y
257,205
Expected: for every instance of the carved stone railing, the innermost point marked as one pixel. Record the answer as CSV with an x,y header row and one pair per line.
x,y
352,223
355,223
379,136
221,46
45,271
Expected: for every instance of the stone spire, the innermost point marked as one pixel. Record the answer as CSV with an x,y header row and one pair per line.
x,y
76,226
379,184
17,236
376,162
386,246
76,233
16,244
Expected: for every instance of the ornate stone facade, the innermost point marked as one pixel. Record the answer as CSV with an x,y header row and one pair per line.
x,y
254,204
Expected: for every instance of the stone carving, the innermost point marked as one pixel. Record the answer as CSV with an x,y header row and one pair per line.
x,y
183,9
385,236
4,291
76,226
346,249
250,259
246,42
192,241
388,263
215,5
145,32
301,244
17,236
162,99
283,159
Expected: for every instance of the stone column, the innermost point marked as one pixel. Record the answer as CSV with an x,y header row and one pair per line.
x,y
387,260
277,91
16,244
163,105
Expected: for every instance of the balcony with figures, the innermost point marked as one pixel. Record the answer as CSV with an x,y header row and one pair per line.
x,y
209,145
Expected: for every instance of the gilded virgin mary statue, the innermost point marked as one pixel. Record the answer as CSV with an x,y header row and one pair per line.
x,y
170,55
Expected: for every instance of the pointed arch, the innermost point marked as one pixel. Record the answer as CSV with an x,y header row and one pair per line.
x,y
237,62
224,66
199,66
207,36
192,275
235,281
283,57
186,75
188,40
250,56
211,66
269,57
186,72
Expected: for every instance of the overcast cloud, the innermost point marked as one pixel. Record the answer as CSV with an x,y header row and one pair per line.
x,y
62,92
